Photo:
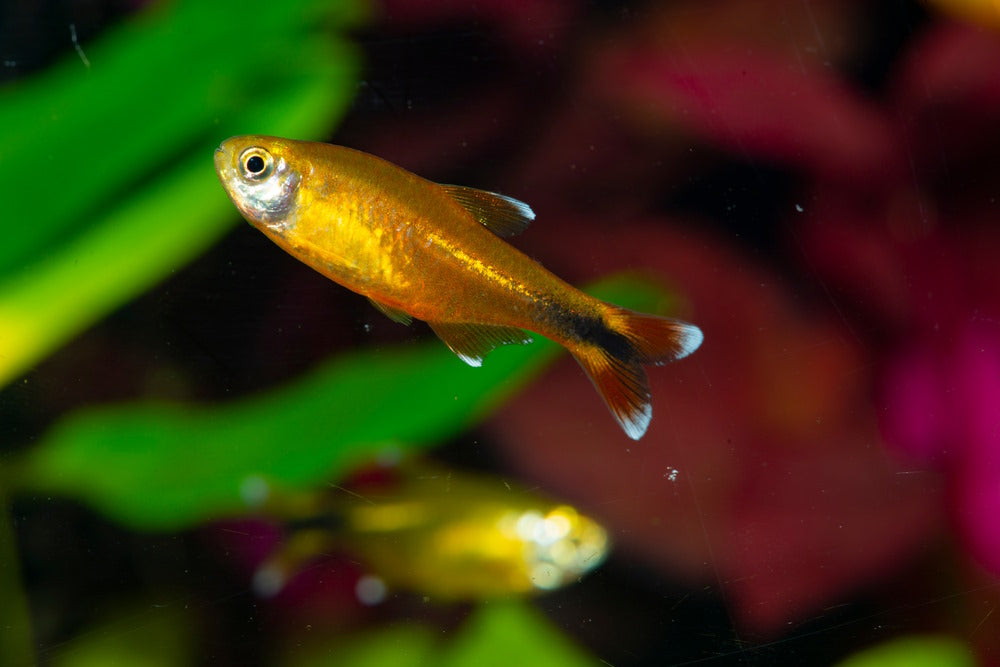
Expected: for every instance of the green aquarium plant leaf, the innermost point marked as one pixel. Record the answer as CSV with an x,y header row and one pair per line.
x,y
410,645
506,633
111,158
138,635
169,466
501,633
914,651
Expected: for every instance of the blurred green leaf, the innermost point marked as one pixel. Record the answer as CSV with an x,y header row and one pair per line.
x,y
917,651
512,633
399,646
167,466
137,636
112,163
501,633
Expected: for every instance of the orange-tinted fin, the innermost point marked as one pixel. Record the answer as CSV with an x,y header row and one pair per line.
x,y
658,340
502,215
393,313
472,342
614,355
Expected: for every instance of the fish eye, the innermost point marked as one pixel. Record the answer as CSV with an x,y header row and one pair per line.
x,y
256,163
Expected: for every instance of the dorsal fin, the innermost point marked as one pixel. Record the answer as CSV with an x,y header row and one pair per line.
x,y
393,313
472,342
502,215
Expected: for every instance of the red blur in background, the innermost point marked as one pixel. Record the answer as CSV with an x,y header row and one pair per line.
x,y
818,182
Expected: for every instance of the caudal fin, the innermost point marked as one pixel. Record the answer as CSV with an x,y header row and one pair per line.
x,y
614,355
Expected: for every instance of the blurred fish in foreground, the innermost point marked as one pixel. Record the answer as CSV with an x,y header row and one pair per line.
x,y
441,533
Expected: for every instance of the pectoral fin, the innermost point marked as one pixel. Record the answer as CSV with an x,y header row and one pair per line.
x,y
393,313
472,342
502,215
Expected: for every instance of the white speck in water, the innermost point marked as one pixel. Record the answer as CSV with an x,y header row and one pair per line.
x,y
798,207
254,490
671,474
367,327
10,63
268,581
76,45
370,590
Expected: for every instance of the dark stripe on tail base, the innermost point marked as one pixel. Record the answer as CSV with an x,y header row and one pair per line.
x,y
613,351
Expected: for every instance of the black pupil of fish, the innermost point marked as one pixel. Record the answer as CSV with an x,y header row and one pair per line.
x,y
255,164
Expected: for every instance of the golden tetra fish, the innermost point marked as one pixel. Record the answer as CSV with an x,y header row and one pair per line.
x,y
436,253
442,533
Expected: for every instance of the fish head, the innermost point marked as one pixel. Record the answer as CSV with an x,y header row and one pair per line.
x,y
262,176
560,545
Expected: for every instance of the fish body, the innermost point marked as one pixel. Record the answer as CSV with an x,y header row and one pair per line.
x,y
442,533
435,252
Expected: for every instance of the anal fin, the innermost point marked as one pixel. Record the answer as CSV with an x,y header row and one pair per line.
x,y
393,313
471,342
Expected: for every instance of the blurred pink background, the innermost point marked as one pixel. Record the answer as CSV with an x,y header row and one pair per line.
x,y
818,182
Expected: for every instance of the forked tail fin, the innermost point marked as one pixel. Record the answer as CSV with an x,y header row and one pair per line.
x,y
614,356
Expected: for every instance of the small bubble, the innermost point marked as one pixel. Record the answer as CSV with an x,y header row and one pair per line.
x,y
254,490
798,207
370,590
268,581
